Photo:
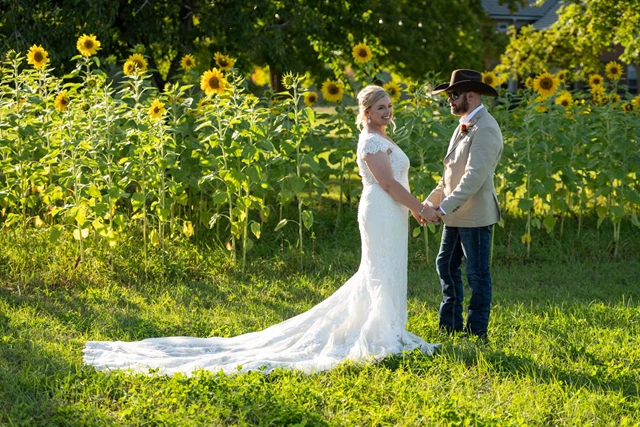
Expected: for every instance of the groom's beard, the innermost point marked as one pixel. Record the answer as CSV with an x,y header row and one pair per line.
x,y
462,108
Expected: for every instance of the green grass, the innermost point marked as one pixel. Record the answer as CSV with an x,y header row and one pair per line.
x,y
563,350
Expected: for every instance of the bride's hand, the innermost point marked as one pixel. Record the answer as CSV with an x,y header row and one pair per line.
x,y
418,218
429,215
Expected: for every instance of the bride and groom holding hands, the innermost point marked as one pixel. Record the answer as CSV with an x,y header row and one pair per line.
x,y
366,317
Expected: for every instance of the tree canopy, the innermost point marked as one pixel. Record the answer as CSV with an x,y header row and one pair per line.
x,y
412,38
584,30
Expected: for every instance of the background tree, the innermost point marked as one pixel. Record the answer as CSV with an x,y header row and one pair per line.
x,y
411,38
584,30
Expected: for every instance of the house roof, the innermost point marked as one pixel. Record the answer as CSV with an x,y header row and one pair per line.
x,y
549,18
531,12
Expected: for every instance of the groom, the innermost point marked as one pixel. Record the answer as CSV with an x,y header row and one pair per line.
x,y
466,201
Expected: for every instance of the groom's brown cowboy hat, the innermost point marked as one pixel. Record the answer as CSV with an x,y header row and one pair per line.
x,y
466,81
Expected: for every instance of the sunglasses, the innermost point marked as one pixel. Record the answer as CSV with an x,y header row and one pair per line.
x,y
455,95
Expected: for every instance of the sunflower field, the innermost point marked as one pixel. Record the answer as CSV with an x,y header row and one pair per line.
x,y
89,157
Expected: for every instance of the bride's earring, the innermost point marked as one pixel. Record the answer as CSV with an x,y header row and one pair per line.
x,y
369,120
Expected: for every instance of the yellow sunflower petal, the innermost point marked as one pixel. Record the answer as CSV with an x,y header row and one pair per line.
x,y
546,84
62,101
332,91
213,81
224,62
361,53
188,62
394,90
37,56
491,79
156,110
88,45
310,98
139,61
613,70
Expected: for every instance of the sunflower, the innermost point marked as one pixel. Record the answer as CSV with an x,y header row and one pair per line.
x,y
310,98
595,80
394,90
525,239
37,56
157,109
627,107
62,101
260,76
613,70
564,98
213,81
614,99
597,92
288,80
188,62
491,79
528,83
88,45
135,61
546,84
332,91
361,53
562,75
636,102
224,62
129,67
540,108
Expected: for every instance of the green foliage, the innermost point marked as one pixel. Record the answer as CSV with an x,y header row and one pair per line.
x,y
584,30
291,35
562,351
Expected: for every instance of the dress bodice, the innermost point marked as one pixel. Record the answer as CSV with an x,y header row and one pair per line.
x,y
371,143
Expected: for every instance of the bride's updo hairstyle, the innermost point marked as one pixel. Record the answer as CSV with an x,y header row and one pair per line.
x,y
366,98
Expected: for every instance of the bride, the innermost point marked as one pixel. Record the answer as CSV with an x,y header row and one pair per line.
x,y
363,319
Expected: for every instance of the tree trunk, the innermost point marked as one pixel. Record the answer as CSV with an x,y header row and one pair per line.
x,y
275,79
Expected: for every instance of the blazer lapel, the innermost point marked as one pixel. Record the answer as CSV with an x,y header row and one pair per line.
x,y
455,140
458,135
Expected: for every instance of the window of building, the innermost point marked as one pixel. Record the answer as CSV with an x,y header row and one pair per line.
x,y
632,79
502,27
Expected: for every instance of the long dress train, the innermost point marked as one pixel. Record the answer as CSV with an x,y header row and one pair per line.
x,y
365,318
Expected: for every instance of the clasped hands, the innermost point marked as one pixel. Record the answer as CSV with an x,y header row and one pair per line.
x,y
427,215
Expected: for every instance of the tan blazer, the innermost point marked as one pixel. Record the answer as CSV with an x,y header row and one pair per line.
x,y
466,191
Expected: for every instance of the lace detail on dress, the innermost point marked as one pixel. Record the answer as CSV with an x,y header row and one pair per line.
x,y
371,143
365,318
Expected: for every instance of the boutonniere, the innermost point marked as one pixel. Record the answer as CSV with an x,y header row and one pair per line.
x,y
464,128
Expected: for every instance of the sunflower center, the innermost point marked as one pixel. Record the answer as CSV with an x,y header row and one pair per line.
x,y
565,103
312,98
362,53
38,56
156,110
596,81
546,84
88,44
223,62
214,82
64,101
333,90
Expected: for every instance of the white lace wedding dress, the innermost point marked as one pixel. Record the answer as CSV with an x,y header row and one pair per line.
x,y
364,319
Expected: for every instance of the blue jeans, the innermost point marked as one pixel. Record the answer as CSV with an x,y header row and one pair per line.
x,y
474,244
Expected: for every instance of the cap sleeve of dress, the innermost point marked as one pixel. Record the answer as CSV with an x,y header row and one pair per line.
x,y
373,144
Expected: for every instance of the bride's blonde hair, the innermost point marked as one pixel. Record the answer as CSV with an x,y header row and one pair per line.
x,y
366,98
